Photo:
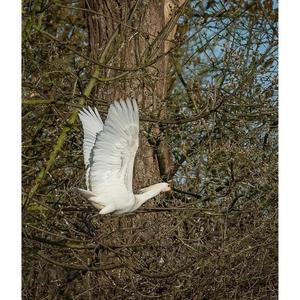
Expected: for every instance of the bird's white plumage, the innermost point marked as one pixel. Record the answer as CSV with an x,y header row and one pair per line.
x,y
109,153
92,125
112,157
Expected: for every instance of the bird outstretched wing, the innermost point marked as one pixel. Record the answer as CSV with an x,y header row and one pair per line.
x,y
112,156
92,125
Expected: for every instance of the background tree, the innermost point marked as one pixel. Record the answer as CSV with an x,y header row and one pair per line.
x,y
205,76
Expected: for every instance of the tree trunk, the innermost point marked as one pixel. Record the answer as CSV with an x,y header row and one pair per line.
x,y
140,33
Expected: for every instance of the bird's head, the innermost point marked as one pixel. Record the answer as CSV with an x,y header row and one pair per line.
x,y
165,186
150,192
158,188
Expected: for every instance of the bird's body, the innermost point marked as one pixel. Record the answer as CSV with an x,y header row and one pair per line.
x,y
109,153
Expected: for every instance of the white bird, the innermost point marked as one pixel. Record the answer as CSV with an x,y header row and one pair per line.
x,y
109,152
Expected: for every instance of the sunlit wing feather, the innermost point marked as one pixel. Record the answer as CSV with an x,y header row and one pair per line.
x,y
112,157
92,125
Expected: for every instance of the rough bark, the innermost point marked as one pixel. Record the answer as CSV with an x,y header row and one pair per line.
x,y
144,33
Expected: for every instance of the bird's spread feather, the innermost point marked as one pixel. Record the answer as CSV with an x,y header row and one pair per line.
x,y
113,154
109,153
92,125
